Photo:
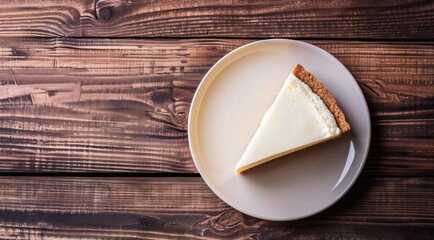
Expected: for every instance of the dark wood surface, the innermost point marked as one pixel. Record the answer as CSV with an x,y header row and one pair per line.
x,y
178,208
94,97
391,19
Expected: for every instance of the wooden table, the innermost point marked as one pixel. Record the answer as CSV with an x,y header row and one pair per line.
x,y
94,98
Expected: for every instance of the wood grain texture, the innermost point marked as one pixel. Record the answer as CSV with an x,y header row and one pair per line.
x,y
100,105
392,19
184,208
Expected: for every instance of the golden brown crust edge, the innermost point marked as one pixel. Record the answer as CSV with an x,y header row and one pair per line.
x,y
319,89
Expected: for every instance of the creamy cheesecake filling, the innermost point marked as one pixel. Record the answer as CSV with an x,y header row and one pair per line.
x,y
318,105
297,119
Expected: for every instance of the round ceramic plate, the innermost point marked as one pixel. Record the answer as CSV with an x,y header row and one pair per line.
x,y
227,108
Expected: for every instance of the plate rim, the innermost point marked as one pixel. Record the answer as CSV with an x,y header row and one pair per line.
x,y
194,102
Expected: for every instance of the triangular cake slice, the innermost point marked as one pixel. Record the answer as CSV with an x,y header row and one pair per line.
x,y
303,114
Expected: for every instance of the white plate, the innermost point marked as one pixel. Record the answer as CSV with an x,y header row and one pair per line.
x,y
225,112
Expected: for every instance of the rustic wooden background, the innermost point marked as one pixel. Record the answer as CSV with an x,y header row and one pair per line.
x,y
94,97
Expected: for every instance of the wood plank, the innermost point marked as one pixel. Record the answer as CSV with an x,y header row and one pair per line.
x,y
101,105
392,19
178,208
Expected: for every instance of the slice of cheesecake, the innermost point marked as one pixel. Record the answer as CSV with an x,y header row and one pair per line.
x,y
303,114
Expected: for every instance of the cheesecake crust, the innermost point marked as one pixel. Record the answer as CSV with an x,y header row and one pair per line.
x,y
319,89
